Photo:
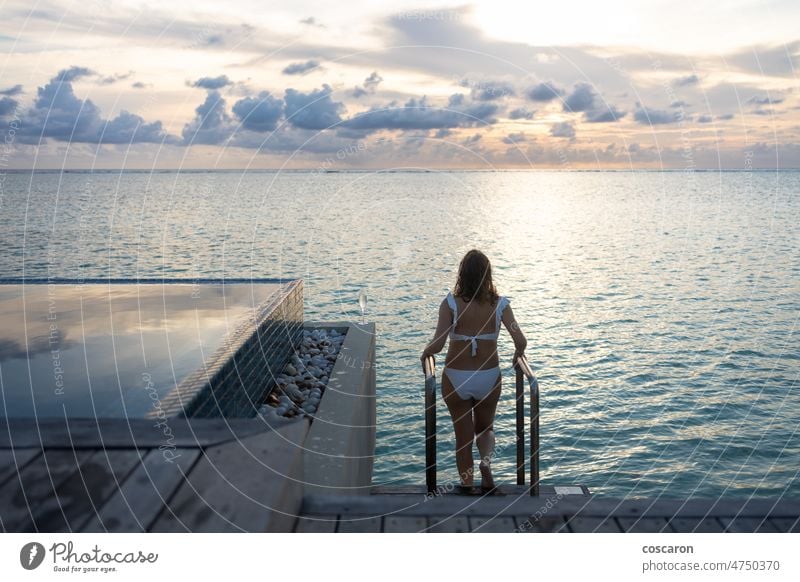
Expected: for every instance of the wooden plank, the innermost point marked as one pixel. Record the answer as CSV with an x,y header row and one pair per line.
x,y
593,525
13,460
113,433
356,524
404,524
489,524
78,498
786,524
643,524
37,482
747,525
316,524
418,505
448,524
137,503
249,485
551,523
696,525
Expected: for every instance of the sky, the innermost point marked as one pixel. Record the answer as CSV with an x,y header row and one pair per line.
x,y
488,84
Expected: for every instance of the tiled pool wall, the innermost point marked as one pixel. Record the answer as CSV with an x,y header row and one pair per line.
x,y
237,381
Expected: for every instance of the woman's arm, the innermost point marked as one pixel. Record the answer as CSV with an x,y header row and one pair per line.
x,y
520,343
440,336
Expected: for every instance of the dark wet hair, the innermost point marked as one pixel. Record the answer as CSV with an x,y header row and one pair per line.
x,y
475,278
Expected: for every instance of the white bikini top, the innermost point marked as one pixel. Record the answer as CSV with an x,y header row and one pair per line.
x,y
502,302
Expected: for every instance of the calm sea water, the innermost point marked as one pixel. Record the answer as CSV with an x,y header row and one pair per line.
x,y
661,307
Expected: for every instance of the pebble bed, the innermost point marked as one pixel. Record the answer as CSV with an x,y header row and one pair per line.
x,y
302,383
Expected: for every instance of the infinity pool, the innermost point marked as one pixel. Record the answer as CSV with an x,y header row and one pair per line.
x,y
115,350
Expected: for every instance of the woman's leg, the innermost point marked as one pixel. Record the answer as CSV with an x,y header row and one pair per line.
x,y
484,433
461,413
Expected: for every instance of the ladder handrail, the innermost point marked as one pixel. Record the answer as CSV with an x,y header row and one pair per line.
x,y
429,367
523,369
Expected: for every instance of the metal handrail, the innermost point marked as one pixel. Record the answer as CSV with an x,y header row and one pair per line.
x,y
524,370
429,367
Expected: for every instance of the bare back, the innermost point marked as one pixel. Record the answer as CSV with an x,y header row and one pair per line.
x,y
474,318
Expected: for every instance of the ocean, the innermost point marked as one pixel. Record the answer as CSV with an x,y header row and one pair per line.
x,y
660,307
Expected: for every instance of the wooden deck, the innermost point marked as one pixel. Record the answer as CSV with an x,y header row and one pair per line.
x,y
408,509
118,476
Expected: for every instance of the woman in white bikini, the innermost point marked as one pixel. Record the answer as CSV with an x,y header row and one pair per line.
x,y
471,316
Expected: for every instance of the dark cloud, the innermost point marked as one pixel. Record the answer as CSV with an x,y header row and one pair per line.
x,y
647,116
72,74
515,138
212,83
315,110
687,81
442,133
544,92
679,104
757,100
260,113
7,106
420,114
300,68
582,98
139,85
604,115
369,86
563,129
211,124
58,114
521,113
704,119
726,116
12,91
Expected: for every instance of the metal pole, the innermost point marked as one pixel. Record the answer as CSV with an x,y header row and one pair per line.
x,y
520,426
430,424
534,436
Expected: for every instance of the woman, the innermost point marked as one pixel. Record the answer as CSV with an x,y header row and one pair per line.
x,y
471,314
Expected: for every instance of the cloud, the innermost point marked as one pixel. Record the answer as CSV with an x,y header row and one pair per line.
x,y
212,83
647,116
582,98
488,90
521,113
515,138
300,68
771,60
260,113
420,114
72,74
311,21
7,106
111,79
604,115
765,100
58,114
704,119
12,91
563,129
679,104
211,124
369,86
686,81
315,110
544,92
139,85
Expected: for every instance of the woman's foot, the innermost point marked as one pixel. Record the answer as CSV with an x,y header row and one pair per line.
x,y
487,480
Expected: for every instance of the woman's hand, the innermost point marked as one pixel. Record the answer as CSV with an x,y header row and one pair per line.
x,y
517,355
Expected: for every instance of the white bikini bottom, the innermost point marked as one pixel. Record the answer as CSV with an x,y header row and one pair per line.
x,y
473,383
